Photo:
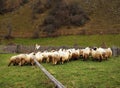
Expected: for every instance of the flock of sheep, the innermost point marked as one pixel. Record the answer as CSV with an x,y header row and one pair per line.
x,y
61,56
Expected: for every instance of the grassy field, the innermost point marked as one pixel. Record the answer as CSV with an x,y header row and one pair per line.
x,y
74,74
81,40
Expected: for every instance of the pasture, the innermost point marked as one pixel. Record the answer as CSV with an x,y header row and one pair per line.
x,y
71,40
74,74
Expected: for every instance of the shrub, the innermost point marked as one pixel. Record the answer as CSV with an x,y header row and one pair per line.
x,y
49,28
40,6
10,5
78,20
49,20
64,14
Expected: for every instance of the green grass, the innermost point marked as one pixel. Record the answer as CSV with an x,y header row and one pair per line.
x,y
74,74
21,77
81,40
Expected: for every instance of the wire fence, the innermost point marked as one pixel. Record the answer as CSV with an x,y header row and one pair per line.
x,y
4,49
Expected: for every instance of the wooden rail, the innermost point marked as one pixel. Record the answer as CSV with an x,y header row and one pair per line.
x,y
52,78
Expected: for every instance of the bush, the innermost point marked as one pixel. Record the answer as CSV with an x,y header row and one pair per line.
x,y
49,20
78,20
39,7
49,28
63,14
10,5
25,1
1,6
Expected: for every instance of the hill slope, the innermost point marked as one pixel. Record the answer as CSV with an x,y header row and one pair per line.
x,y
104,18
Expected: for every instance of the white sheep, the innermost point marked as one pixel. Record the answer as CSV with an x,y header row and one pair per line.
x,y
85,53
56,57
65,56
17,59
30,59
108,52
39,57
96,55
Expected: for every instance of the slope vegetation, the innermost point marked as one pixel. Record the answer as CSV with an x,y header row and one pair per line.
x,y
25,20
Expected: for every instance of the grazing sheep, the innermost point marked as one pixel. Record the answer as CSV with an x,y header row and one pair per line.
x,y
85,53
22,57
30,59
45,55
15,60
56,58
64,56
39,57
61,56
102,52
96,55
108,52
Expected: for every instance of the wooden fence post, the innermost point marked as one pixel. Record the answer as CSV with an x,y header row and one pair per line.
x,y
52,78
17,48
115,51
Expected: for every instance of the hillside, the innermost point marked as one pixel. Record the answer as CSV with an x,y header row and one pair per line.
x,y
22,19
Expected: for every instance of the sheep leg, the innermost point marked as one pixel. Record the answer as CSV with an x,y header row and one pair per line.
x,y
83,58
62,62
20,64
32,63
47,61
53,60
100,59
